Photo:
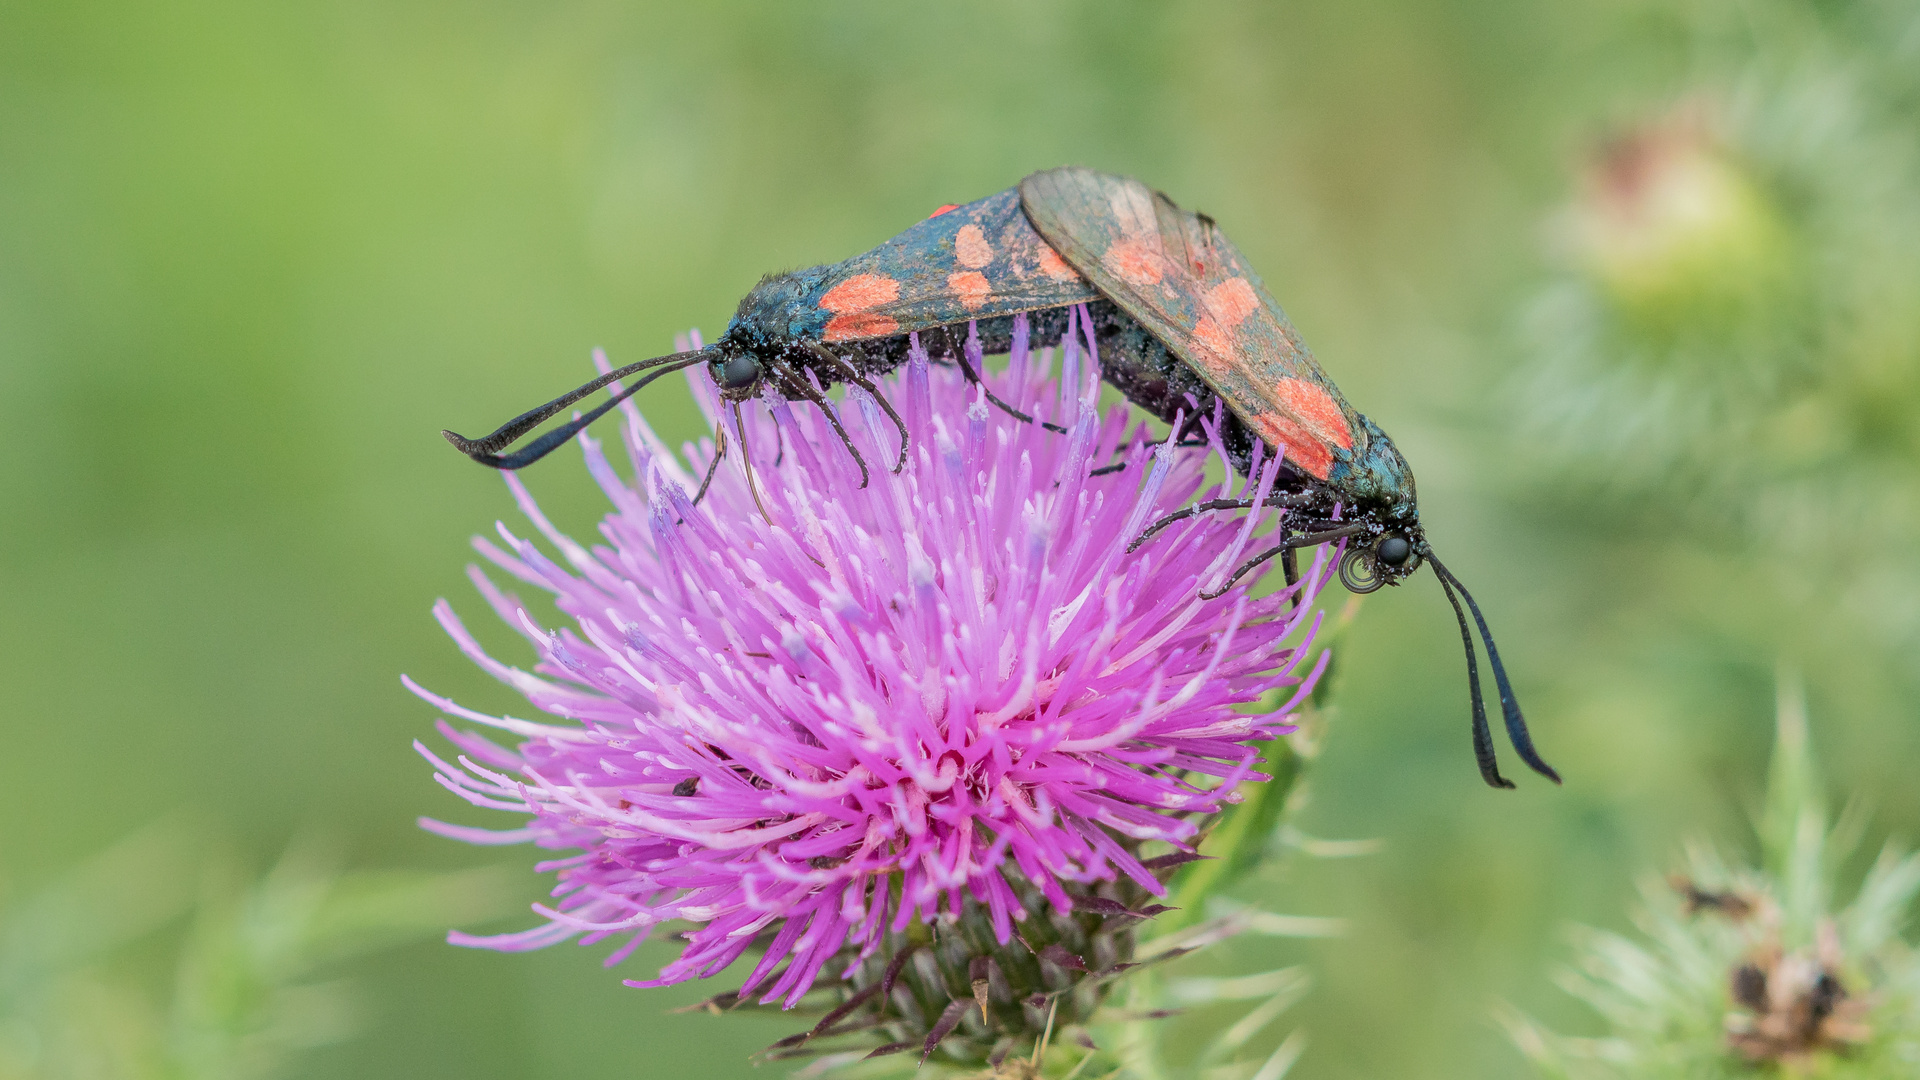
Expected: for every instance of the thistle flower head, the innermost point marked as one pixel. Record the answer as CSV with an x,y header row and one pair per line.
x,y
805,712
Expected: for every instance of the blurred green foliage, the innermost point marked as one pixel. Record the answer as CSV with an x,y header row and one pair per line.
x,y
254,257
243,986
1731,357
1756,966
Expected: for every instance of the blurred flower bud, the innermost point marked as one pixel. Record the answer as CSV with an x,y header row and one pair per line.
x,y
1678,233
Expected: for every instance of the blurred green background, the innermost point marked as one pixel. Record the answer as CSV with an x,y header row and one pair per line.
x,y
1633,285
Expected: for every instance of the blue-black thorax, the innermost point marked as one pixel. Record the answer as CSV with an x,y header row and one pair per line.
x,y
780,311
1376,478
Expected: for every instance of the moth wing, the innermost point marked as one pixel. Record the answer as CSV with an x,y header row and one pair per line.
x,y
976,261
1178,275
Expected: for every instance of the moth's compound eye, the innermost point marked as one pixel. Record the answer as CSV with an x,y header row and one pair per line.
x,y
1394,551
737,372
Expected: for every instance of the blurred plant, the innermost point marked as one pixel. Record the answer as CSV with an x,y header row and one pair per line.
x,y
1732,350
249,989
1755,966
924,748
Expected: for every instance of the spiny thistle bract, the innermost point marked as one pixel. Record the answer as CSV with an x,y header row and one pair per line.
x,y
1049,1013
1746,968
929,745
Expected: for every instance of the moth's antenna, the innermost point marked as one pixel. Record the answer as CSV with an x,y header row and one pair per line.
x,y
1482,736
486,450
1509,705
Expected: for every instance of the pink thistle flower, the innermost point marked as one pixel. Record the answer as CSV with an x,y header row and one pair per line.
x,y
814,712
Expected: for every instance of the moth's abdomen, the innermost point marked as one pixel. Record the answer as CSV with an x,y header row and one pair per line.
x,y
1132,360
1151,376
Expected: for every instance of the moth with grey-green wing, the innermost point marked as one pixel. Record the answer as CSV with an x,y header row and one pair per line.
x,y
1184,285
1183,328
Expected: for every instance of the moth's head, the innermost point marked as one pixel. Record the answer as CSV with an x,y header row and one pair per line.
x,y
737,372
1386,555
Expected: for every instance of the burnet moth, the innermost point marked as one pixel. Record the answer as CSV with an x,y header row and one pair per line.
x,y
1183,326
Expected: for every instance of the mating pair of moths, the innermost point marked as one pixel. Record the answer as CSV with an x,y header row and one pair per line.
x,y
1181,322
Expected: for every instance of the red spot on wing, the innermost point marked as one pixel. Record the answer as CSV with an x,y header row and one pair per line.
x,y
1232,301
1215,350
942,210
970,247
1316,409
1055,267
860,292
1132,261
1294,441
860,324
971,287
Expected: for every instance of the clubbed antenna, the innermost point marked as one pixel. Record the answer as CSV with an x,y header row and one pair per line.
x,y
486,450
1482,735
1516,722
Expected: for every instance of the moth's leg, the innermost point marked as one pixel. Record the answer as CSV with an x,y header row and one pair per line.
x,y
1245,568
854,376
1290,566
719,451
1105,470
1279,498
966,368
791,381
1290,543
746,458
906,437
1195,510
1187,441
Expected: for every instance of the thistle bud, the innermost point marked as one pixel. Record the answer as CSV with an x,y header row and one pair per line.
x,y
1678,232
